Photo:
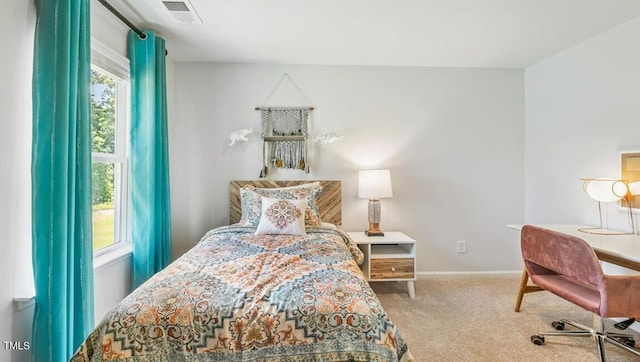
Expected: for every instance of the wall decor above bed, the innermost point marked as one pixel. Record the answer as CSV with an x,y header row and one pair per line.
x,y
285,134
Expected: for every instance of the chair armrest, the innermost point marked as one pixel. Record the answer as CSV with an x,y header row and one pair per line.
x,y
620,296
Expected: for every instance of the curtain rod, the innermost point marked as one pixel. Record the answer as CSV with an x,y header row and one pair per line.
x,y
115,12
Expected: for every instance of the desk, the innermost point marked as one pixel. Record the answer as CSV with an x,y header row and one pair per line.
x,y
622,250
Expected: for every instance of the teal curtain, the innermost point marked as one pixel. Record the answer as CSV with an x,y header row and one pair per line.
x,y
61,179
149,188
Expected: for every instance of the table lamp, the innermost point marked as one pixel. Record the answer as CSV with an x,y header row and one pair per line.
x,y
606,189
374,185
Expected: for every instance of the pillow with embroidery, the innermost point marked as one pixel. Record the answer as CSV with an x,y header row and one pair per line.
x,y
250,201
281,216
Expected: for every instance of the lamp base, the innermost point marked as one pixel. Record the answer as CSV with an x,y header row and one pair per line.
x,y
374,229
373,233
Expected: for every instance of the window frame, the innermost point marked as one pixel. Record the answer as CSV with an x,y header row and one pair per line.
x,y
117,66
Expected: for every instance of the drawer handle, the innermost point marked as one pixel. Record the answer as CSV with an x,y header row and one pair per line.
x,y
393,269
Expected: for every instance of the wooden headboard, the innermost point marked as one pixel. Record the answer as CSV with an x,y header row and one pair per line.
x,y
329,201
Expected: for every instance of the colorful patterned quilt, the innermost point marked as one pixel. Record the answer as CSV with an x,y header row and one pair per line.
x,y
237,296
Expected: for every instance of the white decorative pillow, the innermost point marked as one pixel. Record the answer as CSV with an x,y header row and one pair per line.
x,y
281,216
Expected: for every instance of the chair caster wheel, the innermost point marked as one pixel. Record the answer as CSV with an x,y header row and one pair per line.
x,y
558,325
628,341
537,340
625,323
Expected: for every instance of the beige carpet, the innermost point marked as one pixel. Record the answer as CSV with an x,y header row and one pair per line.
x,y
472,319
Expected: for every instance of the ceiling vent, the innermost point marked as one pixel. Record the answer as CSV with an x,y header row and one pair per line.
x,y
182,12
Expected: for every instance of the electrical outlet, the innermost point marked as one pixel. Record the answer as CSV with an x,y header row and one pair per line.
x,y
461,246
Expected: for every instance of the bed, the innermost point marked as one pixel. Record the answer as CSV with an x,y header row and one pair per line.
x,y
246,293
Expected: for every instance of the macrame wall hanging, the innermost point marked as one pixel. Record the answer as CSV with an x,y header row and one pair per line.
x,y
285,135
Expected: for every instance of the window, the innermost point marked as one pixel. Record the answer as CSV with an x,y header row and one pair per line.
x,y
109,120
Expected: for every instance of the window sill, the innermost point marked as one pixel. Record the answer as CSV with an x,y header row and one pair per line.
x,y
112,255
100,261
23,303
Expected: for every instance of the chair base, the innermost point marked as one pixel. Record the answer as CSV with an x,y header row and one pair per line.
x,y
622,340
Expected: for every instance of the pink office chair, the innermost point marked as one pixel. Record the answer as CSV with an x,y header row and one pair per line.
x,y
568,267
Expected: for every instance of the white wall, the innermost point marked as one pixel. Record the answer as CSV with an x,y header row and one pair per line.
x,y
582,108
18,24
453,139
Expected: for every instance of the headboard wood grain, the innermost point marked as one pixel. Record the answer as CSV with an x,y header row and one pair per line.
x,y
329,201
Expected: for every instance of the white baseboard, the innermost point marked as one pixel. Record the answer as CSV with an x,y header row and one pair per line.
x,y
476,274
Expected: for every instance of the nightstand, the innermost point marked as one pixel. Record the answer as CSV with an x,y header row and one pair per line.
x,y
391,257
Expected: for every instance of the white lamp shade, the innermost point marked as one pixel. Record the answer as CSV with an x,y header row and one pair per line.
x,y
374,184
634,188
604,189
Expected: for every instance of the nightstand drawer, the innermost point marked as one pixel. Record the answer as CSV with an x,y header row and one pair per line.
x,y
392,268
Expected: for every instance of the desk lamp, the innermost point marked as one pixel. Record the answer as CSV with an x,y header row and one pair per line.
x,y
374,185
607,190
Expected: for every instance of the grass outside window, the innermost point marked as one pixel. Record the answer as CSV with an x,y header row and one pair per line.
x,y
103,226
